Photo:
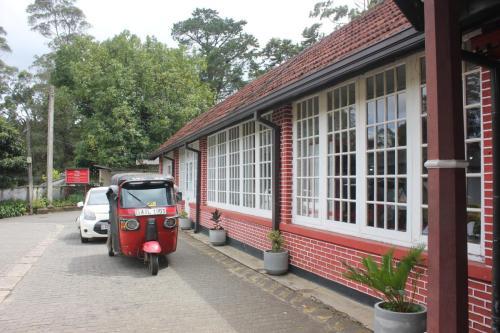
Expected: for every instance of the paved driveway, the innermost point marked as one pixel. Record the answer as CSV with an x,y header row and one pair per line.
x,y
50,282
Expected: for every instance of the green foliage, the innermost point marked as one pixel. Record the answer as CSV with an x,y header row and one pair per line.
x,y
12,208
276,239
12,155
276,52
216,218
183,214
390,277
40,203
128,95
58,20
338,15
227,50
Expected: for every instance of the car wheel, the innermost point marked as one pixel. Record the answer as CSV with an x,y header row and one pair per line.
x,y
84,240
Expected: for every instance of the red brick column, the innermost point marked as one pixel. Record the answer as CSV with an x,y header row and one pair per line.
x,y
176,167
203,178
283,117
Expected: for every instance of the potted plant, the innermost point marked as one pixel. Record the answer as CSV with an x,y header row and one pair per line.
x,y
184,221
276,259
217,234
397,312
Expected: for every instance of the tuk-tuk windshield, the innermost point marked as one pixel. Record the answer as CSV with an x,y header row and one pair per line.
x,y
146,195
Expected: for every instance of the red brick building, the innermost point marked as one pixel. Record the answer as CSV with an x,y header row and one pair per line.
x,y
330,148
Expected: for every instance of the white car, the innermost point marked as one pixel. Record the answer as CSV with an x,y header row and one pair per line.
x,y
93,222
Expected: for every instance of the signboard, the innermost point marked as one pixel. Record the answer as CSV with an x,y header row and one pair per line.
x,y
77,176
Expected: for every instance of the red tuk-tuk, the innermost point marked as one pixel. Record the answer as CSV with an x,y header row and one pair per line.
x,y
143,217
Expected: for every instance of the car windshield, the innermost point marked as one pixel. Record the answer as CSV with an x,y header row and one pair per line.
x,y
144,195
98,198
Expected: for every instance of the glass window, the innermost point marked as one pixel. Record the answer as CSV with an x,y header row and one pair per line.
x,y
473,148
98,198
236,162
307,158
386,151
341,156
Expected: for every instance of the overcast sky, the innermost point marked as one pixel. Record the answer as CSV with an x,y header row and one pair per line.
x,y
266,19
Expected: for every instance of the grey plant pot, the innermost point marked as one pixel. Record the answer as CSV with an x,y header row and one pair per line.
x,y
276,263
217,237
397,322
185,223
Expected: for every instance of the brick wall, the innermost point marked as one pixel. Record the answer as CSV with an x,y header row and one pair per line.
x,y
325,258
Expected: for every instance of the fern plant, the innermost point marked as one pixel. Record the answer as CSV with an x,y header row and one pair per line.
x,y
216,218
276,239
390,277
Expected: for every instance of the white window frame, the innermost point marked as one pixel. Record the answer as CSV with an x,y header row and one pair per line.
x,y
360,229
257,211
413,235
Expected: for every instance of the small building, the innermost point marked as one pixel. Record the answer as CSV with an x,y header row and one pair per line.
x,y
331,148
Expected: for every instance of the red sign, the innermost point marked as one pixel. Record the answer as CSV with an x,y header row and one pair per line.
x,y
77,176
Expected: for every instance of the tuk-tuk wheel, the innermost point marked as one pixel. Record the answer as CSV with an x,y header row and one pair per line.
x,y
153,264
111,253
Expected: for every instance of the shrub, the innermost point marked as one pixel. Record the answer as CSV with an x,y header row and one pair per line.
x,y
11,208
216,218
276,239
183,214
40,203
389,278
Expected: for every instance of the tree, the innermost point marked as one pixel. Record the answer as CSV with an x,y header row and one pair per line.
x,y
12,159
128,95
58,20
6,71
228,50
338,15
276,52
311,35
3,41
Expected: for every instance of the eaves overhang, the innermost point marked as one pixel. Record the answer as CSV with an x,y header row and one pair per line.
x,y
402,43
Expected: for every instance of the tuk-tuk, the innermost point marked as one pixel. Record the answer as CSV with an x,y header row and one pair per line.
x,y
143,217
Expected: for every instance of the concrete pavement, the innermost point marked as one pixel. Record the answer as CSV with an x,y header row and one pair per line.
x,y
65,286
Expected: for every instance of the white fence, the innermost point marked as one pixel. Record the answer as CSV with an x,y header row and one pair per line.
x,y
21,193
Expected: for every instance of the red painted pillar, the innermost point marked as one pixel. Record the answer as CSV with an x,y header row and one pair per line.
x,y
447,291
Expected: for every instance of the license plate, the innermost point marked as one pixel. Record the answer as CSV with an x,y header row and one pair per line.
x,y
150,211
104,226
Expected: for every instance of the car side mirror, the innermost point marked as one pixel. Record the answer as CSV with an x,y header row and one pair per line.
x,y
178,196
79,204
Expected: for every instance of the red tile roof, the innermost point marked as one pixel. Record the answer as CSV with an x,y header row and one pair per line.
x,y
378,24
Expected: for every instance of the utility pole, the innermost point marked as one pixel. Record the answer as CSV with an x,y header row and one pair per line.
x,y
29,160
50,144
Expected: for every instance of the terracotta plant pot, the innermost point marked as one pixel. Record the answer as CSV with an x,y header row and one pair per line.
x,y
217,237
397,322
276,263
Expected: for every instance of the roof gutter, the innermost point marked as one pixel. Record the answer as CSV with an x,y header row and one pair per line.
x,y
376,55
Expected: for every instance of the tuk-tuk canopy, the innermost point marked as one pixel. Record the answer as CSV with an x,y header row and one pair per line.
x,y
120,178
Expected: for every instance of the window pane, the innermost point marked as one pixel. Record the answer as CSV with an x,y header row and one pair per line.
x,y
401,77
389,79
370,112
369,88
473,123
474,192
474,157
472,89
474,227
379,84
